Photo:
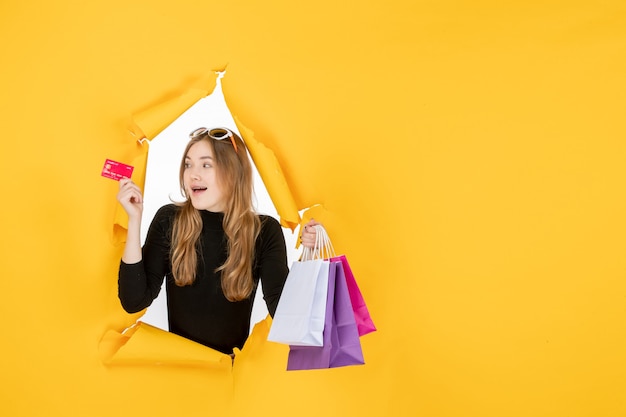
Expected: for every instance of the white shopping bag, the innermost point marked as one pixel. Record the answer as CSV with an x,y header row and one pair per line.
x,y
301,311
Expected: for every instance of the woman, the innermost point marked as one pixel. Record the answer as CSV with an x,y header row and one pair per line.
x,y
212,248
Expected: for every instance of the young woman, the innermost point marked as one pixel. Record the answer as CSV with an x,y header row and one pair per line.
x,y
212,248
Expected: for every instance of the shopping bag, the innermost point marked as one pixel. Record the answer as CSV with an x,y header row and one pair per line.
x,y
361,313
323,248
342,346
317,357
301,310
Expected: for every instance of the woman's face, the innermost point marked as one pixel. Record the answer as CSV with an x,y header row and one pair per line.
x,y
200,179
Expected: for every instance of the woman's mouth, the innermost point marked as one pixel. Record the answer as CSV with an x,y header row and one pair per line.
x,y
197,190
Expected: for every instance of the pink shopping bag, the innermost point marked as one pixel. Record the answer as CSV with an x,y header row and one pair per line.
x,y
361,313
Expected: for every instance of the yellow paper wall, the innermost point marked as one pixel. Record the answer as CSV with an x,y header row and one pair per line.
x,y
469,156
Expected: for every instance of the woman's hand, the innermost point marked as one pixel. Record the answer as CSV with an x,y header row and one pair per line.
x,y
130,198
308,234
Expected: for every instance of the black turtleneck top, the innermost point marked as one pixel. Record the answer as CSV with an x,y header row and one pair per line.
x,y
200,311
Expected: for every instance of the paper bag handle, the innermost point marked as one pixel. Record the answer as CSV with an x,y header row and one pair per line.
x,y
323,248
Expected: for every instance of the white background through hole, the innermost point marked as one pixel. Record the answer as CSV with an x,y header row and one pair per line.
x,y
162,186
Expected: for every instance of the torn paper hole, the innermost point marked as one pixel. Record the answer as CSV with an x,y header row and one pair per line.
x,y
162,184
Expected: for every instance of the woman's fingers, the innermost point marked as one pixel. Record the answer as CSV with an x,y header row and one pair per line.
x,y
308,234
126,183
130,197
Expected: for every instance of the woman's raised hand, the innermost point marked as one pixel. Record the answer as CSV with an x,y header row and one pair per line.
x,y
130,198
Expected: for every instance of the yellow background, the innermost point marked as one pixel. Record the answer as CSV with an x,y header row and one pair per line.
x,y
469,155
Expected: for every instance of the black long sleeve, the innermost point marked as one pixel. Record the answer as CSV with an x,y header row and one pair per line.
x,y
200,311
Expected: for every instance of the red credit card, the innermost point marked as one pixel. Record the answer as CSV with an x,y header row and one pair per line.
x,y
116,170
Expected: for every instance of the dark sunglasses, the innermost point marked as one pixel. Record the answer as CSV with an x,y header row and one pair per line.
x,y
218,133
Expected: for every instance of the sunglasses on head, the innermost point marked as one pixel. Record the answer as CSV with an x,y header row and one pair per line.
x,y
218,133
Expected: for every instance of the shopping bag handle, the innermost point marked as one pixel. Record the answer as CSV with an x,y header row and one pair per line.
x,y
323,248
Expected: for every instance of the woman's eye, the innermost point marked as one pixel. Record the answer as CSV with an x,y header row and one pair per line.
x,y
187,165
207,165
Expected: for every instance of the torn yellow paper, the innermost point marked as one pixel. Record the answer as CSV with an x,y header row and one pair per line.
x,y
273,177
473,166
143,344
150,122
258,357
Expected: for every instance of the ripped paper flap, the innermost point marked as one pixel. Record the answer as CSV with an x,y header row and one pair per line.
x,y
273,177
150,122
146,345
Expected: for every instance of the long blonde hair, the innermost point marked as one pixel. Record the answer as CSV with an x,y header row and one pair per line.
x,y
241,224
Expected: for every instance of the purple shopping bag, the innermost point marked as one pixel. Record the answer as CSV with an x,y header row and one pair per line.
x,y
361,313
342,346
